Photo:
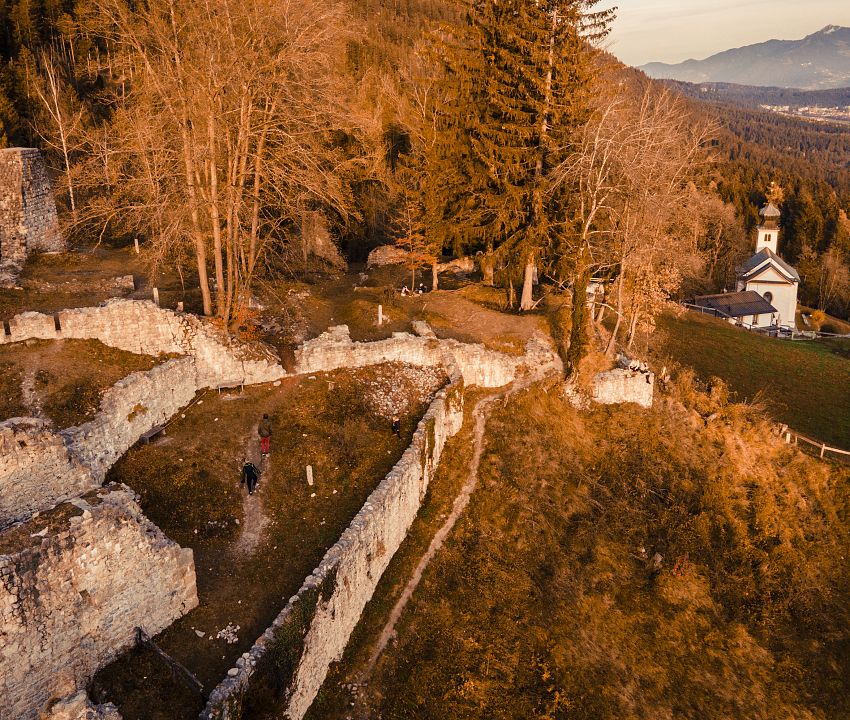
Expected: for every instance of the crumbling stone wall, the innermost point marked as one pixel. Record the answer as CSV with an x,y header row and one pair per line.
x,y
36,470
141,327
337,591
40,467
622,385
130,408
28,218
71,595
334,349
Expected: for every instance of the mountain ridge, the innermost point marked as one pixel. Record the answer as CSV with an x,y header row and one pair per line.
x,y
818,61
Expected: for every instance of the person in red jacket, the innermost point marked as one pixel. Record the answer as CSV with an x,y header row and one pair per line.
x,y
265,433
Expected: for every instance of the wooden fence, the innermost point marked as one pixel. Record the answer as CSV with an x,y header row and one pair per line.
x,y
792,437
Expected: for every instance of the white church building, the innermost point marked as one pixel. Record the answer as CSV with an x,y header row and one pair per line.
x,y
769,275
767,286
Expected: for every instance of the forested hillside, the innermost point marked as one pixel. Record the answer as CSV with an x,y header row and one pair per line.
x,y
395,131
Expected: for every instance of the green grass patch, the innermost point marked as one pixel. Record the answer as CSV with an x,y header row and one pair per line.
x,y
805,384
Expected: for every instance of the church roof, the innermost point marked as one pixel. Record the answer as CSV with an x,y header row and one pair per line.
x,y
770,211
763,257
736,304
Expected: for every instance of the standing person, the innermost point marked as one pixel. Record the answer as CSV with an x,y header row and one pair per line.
x,y
250,476
265,433
396,426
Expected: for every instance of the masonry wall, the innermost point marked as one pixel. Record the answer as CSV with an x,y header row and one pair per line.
x,y
130,408
71,595
622,385
335,349
36,470
334,595
141,327
28,218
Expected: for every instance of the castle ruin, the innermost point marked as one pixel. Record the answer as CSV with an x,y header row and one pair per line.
x,y
28,220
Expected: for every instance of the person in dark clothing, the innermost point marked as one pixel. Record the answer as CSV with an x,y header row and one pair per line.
x,y
396,426
265,433
250,476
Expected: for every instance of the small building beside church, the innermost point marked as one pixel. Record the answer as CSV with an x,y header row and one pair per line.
x,y
767,286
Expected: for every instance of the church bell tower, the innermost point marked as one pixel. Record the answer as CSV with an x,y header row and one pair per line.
x,y
768,231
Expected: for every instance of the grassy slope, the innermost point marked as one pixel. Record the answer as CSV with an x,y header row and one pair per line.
x,y
805,384
541,604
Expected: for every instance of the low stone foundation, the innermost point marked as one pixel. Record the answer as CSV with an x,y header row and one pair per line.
x,y
623,385
36,470
480,366
71,595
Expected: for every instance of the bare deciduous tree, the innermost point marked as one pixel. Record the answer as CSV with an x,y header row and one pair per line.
x,y
219,135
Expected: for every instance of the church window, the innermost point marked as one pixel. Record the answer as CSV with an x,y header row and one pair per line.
x,y
768,296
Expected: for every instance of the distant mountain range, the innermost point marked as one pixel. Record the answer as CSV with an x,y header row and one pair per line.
x,y
817,62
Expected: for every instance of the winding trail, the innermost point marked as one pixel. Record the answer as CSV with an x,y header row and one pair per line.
x,y
480,415
254,518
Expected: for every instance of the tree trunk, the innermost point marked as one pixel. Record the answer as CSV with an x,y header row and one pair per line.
x,y
435,278
632,330
488,266
578,331
215,219
188,167
612,341
527,301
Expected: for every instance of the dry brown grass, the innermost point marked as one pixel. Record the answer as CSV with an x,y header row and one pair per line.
x,y
543,603
67,377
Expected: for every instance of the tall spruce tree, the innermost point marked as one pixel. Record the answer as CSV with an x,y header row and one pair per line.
x,y
523,72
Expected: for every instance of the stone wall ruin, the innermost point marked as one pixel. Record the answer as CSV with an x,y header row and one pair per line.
x,y
77,578
63,559
28,218
36,470
71,595
140,326
331,600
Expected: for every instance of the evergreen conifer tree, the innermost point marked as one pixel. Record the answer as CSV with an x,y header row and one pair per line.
x,y
522,71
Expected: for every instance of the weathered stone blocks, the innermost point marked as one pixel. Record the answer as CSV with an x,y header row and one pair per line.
x,y
130,408
28,218
36,470
141,327
622,385
71,595
479,366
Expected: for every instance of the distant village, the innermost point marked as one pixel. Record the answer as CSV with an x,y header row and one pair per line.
x,y
812,112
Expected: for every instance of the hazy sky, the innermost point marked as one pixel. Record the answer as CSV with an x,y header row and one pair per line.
x,y
675,30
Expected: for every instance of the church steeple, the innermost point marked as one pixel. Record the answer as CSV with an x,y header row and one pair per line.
x,y
768,231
